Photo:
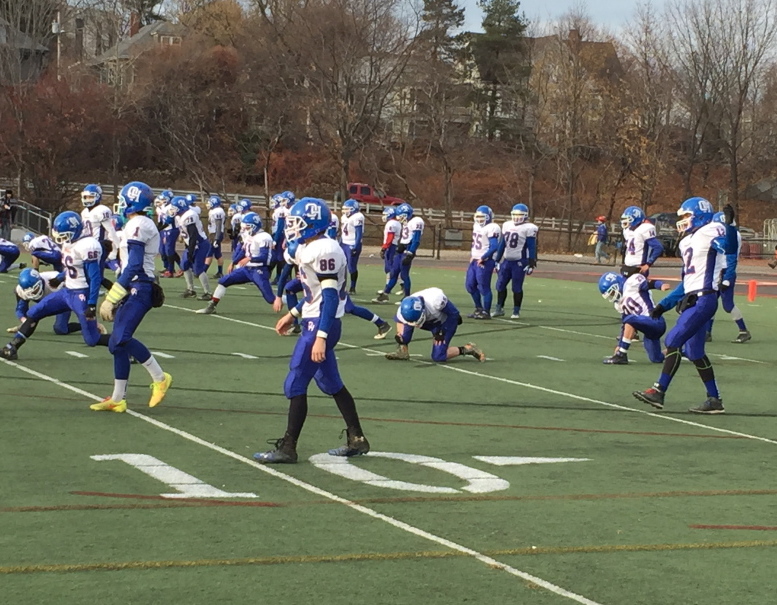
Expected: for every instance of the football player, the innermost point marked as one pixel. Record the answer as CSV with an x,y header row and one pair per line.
x,y
98,223
352,233
322,269
485,243
409,241
253,267
43,250
168,234
280,204
517,258
133,295
81,255
632,299
392,231
640,243
216,227
197,246
431,310
702,249
9,252
733,244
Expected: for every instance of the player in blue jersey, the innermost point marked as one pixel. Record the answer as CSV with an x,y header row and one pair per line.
x,y
632,299
409,241
641,246
351,237
431,310
516,257
485,244
322,269
81,255
133,295
702,249
733,244
43,250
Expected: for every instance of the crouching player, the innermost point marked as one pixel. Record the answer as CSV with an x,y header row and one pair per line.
x,y
632,299
131,297
322,269
431,310
43,250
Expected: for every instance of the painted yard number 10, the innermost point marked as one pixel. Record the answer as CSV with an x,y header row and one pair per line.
x,y
478,481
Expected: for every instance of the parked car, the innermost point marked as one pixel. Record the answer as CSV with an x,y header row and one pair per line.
x,y
366,194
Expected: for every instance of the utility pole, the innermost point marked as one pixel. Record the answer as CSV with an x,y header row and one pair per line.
x,y
56,29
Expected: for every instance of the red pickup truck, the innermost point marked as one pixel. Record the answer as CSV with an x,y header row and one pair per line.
x,y
366,194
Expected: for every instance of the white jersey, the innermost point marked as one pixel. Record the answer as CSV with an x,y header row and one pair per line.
x,y
320,257
515,239
480,236
98,223
703,265
253,245
74,256
634,241
414,225
434,303
280,213
47,276
636,299
143,230
190,217
7,243
392,226
216,216
350,223
42,243
334,227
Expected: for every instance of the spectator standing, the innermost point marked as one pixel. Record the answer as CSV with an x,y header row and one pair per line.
x,y
7,210
602,236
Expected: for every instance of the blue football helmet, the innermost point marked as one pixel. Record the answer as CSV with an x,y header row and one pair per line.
x,y
67,227
350,207
695,212
232,210
404,212
31,284
167,194
91,195
134,198
277,200
178,205
632,217
388,213
412,311
191,198
611,286
28,237
719,217
483,215
519,213
214,201
244,205
251,223
119,220
289,197
307,218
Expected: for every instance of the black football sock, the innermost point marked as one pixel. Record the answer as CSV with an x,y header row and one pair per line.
x,y
501,298
26,330
298,411
103,340
517,299
354,277
347,407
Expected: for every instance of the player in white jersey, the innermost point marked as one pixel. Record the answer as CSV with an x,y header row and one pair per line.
x,y
351,237
280,204
431,310
98,223
702,249
43,250
392,232
9,252
409,241
517,258
485,243
632,299
641,246
133,295
322,269
83,274
197,246
217,225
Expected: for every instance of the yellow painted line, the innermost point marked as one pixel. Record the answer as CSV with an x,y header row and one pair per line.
x,y
391,556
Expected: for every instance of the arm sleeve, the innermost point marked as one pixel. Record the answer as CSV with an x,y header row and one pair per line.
x,y
219,235
531,247
280,229
329,303
654,284
674,297
415,242
501,249
136,252
389,239
359,235
94,279
22,306
493,245
655,249
284,278
731,268
110,231
191,232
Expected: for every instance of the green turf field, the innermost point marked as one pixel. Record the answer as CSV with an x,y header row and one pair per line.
x,y
466,497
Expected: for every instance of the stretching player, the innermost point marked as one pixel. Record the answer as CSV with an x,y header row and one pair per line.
x,y
197,246
9,252
43,250
352,233
517,258
485,243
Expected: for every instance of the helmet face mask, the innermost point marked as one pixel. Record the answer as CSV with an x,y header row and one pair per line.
x,y
31,284
483,215
136,198
251,223
694,212
67,227
404,213
611,287
388,214
91,196
350,207
519,213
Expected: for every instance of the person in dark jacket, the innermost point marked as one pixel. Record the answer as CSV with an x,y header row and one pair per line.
x,y
602,235
7,211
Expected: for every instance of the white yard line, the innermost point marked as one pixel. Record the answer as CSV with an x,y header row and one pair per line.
x,y
76,354
411,529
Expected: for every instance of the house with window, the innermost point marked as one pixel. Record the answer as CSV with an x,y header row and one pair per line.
x,y
21,57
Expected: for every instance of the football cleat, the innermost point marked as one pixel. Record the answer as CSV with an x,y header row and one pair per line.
x,y
401,354
209,310
22,266
475,351
166,274
352,291
189,294
178,273
383,329
285,452
475,313
159,390
743,337
205,296
9,352
356,445
498,312
651,396
294,330
484,315
713,405
14,329
108,405
382,297
516,315
619,359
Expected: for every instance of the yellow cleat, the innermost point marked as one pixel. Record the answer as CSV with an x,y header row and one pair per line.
x,y
159,390
108,405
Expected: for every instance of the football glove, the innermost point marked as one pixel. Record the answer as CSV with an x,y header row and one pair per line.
x,y
382,254
657,312
56,282
112,300
355,251
408,258
530,266
725,285
439,335
91,312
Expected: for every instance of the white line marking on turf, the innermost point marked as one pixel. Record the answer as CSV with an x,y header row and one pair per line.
x,y
162,355
76,354
244,355
532,386
493,563
731,358
549,357
518,460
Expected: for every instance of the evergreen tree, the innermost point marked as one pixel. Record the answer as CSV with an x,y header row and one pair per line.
x,y
442,19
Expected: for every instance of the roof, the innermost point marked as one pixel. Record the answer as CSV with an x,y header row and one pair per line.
x,y
145,39
19,39
598,58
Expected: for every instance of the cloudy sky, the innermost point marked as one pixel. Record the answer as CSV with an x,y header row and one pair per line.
x,y
611,13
